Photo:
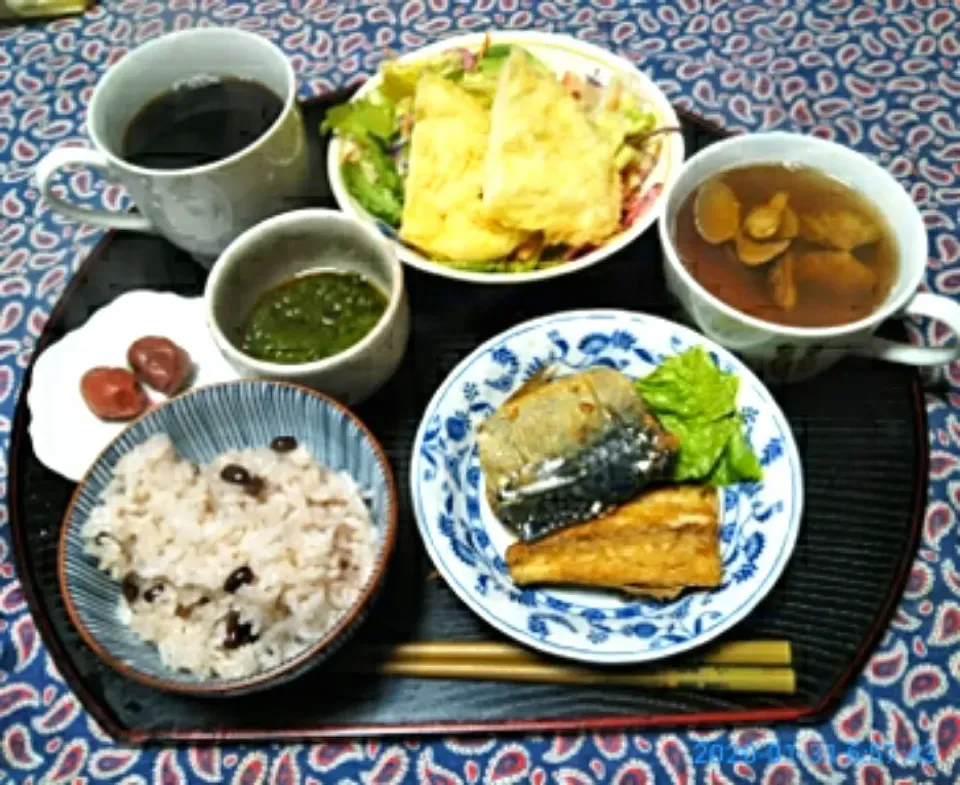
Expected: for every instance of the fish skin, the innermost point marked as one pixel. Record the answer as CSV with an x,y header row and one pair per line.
x,y
589,483
563,452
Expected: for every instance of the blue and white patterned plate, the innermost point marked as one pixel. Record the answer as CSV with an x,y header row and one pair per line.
x,y
467,543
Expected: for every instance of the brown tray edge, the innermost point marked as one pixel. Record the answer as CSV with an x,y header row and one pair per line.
x,y
600,722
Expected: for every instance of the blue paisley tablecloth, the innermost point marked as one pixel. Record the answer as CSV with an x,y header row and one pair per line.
x,y
880,75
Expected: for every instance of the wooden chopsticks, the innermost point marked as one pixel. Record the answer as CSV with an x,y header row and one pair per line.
x,y
771,652
740,666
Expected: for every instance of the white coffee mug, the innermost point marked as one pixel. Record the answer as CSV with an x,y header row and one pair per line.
x,y
201,208
789,354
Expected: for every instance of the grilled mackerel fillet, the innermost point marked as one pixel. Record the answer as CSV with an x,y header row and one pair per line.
x,y
567,450
659,544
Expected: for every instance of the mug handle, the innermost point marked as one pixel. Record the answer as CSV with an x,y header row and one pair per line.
x,y
934,306
62,157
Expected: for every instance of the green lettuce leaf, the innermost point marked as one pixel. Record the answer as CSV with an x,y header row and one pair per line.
x,y
374,116
738,462
509,266
384,170
400,78
690,386
697,402
701,445
370,174
375,196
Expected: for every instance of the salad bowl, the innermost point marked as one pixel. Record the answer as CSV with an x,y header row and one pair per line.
x,y
567,58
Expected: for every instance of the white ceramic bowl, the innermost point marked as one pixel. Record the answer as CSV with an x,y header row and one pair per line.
x,y
562,53
297,242
788,354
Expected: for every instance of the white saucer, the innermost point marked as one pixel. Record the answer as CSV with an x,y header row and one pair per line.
x,y
67,436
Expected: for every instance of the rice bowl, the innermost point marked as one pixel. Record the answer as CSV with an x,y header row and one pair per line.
x,y
223,581
234,605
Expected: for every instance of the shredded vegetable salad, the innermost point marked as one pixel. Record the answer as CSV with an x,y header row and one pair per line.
x,y
377,130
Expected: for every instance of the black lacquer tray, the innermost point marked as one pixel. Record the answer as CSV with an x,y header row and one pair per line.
x,y
862,436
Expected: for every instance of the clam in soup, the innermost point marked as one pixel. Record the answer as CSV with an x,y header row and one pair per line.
x,y
788,245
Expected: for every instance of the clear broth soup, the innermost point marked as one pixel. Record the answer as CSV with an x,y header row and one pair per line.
x,y
832,263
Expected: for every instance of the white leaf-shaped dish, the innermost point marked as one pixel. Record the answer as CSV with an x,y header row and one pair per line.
x,y
67,436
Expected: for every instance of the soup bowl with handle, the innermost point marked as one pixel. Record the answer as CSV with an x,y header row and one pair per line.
x,y
783,353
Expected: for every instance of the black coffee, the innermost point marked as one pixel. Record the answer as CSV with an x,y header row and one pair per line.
x,y
196,125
